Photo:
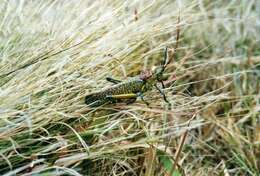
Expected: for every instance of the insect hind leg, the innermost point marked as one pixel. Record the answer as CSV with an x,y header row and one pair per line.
x,y
128,98
130,101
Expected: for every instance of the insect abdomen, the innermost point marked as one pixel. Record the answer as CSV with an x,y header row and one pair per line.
x,y
94,99
100,98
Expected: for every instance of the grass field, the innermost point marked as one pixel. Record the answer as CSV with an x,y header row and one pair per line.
x,y
54,53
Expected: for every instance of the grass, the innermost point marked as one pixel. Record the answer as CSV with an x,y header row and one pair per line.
x,y
54,53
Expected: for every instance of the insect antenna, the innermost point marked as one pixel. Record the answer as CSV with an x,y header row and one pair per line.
x,y
164,64
166,61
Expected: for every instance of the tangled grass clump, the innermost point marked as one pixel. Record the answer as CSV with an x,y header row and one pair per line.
x,y
54,53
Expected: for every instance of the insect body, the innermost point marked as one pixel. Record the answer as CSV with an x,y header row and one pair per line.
x,y
131,89
125,90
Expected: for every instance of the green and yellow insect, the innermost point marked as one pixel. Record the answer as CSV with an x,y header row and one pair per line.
x,y
129,90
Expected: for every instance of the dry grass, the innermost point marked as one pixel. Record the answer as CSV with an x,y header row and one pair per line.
x,y
53,53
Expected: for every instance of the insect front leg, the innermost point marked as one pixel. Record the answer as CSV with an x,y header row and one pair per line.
x,y
162,93
163,86
112,80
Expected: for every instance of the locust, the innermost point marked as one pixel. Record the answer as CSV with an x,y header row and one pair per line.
x,y
132,88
